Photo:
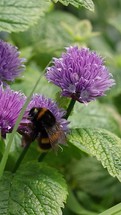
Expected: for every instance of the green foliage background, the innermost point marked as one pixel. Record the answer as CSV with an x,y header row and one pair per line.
x,y
41,30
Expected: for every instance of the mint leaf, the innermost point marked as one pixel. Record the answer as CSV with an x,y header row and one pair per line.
x,y
88,4
102,144
96,115
43,36
35,189
19,15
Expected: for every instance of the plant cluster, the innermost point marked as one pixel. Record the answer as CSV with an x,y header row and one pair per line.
x,y
47,165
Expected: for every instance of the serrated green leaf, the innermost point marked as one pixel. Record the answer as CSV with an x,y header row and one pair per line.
x,y
19,15
100,143
88,4
95,115
34,189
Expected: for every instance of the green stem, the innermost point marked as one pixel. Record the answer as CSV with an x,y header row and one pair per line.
x,y
21,157
70,108
5,155
42,156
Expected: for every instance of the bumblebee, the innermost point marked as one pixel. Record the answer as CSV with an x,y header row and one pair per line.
x,y
45,129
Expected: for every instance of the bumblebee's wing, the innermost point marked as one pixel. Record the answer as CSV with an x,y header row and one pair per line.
x,y
56,135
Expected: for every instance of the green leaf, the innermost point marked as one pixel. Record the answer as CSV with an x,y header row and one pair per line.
x,y
19,15
55,31
31,75
99,43
95,115
63,102
93,206
88,4
49,34
76,207
116,90
116,22
35,189
49,29
89,176
115,68
100,143
116,210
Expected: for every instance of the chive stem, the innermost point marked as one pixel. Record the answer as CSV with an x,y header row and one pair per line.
x,y
70,108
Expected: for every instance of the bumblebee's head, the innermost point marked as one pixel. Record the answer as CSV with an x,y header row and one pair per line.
x,y
48,119
33,113
42,117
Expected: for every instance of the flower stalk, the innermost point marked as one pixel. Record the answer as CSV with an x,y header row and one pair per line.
x,y
70,108
21,157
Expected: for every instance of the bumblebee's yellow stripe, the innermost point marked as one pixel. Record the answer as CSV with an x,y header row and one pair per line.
x,y
51,139
45,140
41,113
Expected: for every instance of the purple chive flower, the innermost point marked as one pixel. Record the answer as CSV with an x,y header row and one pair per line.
x,y
10,64
38,101
81,74
11,103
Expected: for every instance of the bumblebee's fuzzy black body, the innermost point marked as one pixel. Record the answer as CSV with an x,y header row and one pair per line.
x,y
45,129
